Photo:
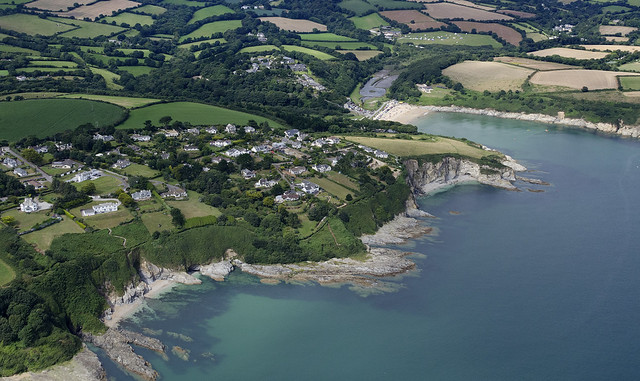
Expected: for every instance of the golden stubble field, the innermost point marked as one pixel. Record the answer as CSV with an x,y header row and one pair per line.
x,y
576,79
94,10
569,53
622,48
404,147
455,11
534,64
492,76
416,20
293,25
56,5
615,29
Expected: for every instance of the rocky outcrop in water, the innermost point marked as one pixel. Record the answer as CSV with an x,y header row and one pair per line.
x,y
116,344
631,131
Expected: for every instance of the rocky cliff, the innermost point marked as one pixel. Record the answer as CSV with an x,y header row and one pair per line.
x,y
427,177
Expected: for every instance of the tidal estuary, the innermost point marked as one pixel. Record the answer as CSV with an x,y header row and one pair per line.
x,y
512,285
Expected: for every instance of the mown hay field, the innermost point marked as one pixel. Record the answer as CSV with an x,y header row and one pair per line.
x,y
416,20
149,10
616,39
370,21
193,207
632,66
45,117
362,55
339,45
204,13
492,76
32,25
194,113
622,48
17,49
295,25
207,30
611,30
358,7
576,79
56,5
518,14
126,102
130,18
316,53
534,64
510,35
472,5
451,11
403,147
569,53
95,10
332,37
448,38
108,76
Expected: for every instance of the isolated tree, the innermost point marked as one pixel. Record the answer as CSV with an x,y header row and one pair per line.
x,y
165,120
177,218
88,188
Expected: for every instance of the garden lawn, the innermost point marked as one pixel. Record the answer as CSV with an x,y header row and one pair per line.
x,y
6,273
43,238
106,220
210,41
194,113
26,220
259,48
331,187
104,185
194,208
139,170
324,37
157,221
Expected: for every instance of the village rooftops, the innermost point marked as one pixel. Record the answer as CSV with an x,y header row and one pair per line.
x,y
308,187
141,195
297,170
322,168
248,174
106,207
291,133
288,196
64,164
141,138
230,129
211,130
20,172
264,183
122,164
191,148
221,143
11,163
104,138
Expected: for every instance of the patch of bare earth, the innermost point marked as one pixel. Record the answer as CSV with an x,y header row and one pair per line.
x,y
455,11
577,79
416,20
569,53
508,34
295,25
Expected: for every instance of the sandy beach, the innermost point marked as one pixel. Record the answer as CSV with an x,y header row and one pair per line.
x,y
401,112
123,311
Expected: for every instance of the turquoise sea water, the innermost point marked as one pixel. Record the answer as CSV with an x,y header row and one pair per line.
x,y
514,285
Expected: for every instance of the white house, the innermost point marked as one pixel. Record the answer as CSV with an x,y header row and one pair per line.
x,y
41,149
122,164
104,138
230,129
309,187
321,167
84,176
175,192
261,148
249,130
220,143
141,138
297,170
29,205
288,196
191,148
141,195
11,163
380,154
212,130
106,207
170,133
248,174
193,131
63,146
20,172
235,152
332,140
64,164
318,142
264,183
291,133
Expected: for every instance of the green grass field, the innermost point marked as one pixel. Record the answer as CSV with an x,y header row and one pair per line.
x,y
207,30
194,113
185,2
157,221
359,7
129,18
26,221
44,69
145,52
210,41
45,117
53,63
343,180
139,170
331,187
4,73
38,95
630,83
149,10
86,29
126,102
43,238
370,21
105,220
320,55
32,25
6,273
108,76
204,13
194,208
259,48
339,45
632,66
104,185
448,38
94,49
136,70
403,147
324,37
16,49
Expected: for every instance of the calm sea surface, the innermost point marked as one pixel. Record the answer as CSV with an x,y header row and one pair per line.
x,y
514,285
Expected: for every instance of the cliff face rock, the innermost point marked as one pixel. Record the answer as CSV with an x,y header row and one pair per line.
x,y
149,273
429,177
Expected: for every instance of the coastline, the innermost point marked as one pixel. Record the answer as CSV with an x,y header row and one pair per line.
x,y
125,310
407,113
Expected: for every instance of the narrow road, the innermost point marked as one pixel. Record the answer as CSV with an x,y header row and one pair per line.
x,y
42,173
